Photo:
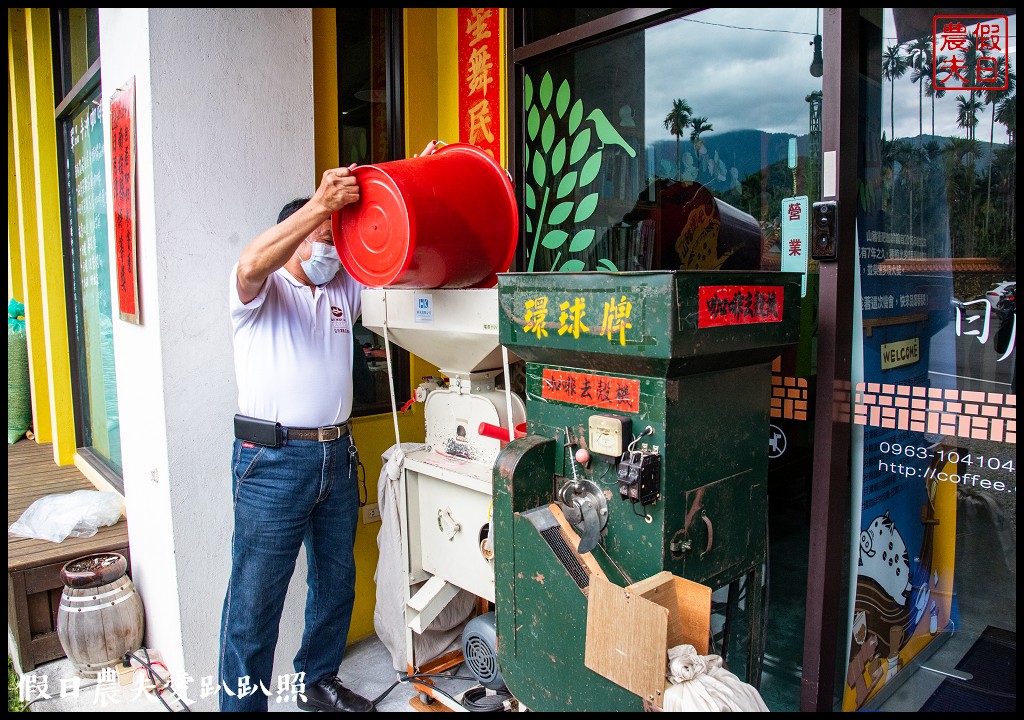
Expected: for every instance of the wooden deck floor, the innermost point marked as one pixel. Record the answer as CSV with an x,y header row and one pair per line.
x,y
33,566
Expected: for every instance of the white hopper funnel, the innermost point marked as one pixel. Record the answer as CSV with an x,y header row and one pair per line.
x,y
456,329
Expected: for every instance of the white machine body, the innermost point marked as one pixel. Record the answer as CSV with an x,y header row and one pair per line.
x,y
447,486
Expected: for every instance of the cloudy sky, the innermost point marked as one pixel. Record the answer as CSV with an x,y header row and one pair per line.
x,y
749,68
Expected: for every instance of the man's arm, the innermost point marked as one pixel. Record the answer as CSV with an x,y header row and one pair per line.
x,y
271,249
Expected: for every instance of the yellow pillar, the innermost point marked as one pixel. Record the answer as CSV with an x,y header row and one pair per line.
x,y
49,234
25,190
15,282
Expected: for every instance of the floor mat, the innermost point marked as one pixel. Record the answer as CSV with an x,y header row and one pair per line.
x,y
992,661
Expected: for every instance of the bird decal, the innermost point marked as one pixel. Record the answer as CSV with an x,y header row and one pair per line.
x,y
607,132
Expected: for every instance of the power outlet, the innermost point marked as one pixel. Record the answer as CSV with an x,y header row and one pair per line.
x,y
371,513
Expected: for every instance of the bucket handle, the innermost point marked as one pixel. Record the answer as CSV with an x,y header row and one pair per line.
x,y
438,144
441,143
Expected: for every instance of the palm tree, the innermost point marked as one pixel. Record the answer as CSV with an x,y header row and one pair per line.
x,y
960,183
967,114
676,123
1006,115
917,54
699,125
993,98
894,65
930,88
969,63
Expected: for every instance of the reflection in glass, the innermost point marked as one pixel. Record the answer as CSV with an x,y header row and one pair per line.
x,y
93,316
934,381
694,144
669,147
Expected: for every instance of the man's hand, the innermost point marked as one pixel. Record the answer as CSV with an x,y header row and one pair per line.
x,y
431,148
273,248
338,188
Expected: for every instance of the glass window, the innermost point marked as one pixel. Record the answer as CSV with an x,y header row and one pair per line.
x,y
77,47
82,134
371,133
545,22
934,369
86,191
625,140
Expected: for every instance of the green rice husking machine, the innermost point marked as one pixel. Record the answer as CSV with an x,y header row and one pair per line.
x,y
646,450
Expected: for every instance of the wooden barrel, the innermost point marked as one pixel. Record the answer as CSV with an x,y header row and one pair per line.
x,y
98,625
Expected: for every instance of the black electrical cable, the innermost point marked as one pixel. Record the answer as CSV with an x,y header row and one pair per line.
x,y
477,700
154,677
361,470
472,705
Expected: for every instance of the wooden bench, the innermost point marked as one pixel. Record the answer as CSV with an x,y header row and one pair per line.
x,y
33,566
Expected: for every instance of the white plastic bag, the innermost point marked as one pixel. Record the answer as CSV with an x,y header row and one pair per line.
x,y
79,514
700,683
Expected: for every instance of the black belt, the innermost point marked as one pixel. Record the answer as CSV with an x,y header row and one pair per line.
x,y
322,434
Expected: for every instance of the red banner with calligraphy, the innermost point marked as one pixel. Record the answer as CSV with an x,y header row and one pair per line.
x,y
480,79
738,305
122,183
600,391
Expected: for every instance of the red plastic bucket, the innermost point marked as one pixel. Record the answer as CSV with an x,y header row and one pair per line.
x,y
443,220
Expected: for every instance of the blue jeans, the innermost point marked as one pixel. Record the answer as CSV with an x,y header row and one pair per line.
x,y
304,492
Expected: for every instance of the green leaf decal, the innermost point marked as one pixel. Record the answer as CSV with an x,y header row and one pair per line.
x,y
546,88
562,99
560,212
547,133
558,157
607,265
566,185
582,240
532,123
530,197
529,225
575,116
572,266
539,168
527,91
554,239
590,169
586,208
580,145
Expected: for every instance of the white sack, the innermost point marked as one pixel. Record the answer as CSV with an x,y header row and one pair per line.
x,y
700,683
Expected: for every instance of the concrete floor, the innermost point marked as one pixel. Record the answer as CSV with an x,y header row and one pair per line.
x,y
368,669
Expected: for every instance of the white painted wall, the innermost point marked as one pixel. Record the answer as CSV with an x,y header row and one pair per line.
x,y
224,131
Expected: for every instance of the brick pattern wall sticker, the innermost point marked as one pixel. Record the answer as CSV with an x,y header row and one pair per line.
x,y
963,413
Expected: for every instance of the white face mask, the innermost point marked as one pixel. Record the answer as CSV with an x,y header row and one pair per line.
x,y
323,263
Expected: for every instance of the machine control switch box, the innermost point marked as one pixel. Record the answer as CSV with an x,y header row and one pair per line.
x,y
639,477
606,436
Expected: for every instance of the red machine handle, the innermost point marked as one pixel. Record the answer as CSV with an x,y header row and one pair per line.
x,y
499,433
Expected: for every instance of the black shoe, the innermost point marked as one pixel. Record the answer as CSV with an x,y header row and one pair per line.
x,y
329,695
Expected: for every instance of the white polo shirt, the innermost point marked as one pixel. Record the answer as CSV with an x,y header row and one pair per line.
x,y
293,349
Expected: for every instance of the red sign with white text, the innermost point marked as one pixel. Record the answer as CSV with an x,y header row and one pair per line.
x,y
601,391
738,304
480,80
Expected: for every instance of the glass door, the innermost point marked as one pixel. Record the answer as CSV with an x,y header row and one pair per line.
x,y
932,623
